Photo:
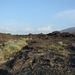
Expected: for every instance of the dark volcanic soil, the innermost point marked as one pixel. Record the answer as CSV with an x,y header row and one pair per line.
x,y
38,58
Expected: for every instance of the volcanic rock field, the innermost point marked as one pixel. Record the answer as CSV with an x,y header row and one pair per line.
x,y
44,54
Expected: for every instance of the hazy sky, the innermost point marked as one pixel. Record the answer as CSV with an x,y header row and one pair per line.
x,y
36,16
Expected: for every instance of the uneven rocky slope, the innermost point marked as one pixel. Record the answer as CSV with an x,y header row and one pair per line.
x,y
45,54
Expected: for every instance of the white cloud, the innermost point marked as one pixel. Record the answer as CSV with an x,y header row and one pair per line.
x,y
26,30
67,12
9,30
68,15
6,30
44,29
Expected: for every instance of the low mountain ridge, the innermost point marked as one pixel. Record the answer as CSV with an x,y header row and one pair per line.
x,y
70,30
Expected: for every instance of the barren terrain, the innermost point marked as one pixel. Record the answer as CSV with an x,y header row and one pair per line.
x,y
44,54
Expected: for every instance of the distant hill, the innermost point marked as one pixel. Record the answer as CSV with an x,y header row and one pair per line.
x,y
70,30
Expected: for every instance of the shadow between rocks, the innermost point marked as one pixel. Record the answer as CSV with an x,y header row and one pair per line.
x,y
4,72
